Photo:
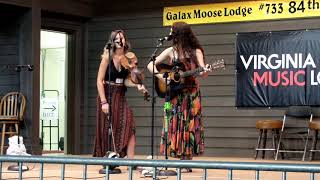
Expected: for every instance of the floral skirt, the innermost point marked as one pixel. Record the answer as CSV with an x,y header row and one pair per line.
x,y
183,125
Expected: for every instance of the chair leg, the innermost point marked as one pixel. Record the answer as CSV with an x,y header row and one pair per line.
x,y
273,131
305,146
314,144
258,144
17,128
265,134
279,144
2,137
10,130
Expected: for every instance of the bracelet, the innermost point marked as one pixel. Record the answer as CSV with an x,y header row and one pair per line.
x,y
104,102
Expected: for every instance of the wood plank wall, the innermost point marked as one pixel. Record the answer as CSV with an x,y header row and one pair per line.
x,y
9,52
228,131
81,8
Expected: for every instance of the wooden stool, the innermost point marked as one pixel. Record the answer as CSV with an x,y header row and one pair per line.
x,y
263,126
315,126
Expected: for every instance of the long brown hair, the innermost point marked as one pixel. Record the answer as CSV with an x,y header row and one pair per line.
x,y
184,40
112,37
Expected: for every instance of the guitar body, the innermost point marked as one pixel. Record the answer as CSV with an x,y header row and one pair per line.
x,y
159,85
176,82
179,78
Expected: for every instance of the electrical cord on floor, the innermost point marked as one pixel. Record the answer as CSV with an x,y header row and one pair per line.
x,y
70,177
46,177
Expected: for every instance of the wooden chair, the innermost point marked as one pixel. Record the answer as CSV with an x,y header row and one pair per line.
x,y
12,108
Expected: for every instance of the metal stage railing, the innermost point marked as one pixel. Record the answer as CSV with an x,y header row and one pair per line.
x,y
312,169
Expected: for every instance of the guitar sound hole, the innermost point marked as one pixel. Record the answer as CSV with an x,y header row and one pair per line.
x,y
176,77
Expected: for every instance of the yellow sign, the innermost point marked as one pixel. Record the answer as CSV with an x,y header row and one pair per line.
x,y
241,11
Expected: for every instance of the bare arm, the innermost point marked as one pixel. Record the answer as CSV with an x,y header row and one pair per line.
x,y
200,60
140,87
129,83
164,56
101,74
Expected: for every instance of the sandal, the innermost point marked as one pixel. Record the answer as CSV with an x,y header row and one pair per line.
x,y
186,170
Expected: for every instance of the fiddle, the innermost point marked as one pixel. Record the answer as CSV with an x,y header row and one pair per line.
x,y
130,62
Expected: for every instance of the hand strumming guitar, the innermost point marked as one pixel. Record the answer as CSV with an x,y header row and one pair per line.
x,y
160,76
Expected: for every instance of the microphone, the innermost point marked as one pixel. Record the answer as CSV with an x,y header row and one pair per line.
x,y
108,45
30,67
119,42
166,38
19,68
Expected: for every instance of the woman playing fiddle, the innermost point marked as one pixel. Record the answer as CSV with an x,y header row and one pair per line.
x,y
123,124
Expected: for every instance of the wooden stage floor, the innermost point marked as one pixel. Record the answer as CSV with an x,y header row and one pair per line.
x,y
52,171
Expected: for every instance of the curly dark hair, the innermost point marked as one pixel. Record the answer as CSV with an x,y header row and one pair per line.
x,y
184,39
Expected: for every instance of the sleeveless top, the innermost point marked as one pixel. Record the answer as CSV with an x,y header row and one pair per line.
x,y
122,74
186,64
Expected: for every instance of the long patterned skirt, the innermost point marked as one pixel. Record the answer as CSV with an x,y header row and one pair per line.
x,y
123,124
185,126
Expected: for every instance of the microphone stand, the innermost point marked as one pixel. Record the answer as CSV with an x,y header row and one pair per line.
x,y
111,170
167,107
152,59
165,172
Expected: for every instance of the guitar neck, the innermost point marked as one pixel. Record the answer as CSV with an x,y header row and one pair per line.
x,y
191,72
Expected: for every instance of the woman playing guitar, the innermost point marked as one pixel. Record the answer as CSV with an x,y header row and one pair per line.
x,y
185,131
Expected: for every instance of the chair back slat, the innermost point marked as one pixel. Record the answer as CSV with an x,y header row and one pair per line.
x,y
11,102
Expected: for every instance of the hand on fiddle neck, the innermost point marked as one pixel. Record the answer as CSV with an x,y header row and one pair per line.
x,y
142,88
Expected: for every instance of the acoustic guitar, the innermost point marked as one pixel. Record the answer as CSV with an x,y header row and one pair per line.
x,y
177,77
